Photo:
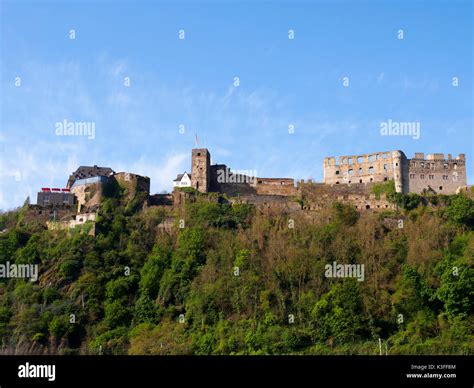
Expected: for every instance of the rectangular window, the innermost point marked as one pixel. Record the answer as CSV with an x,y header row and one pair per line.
x,y
430,176
422,176
412,176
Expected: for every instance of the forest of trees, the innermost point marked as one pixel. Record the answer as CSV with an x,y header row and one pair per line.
x,y
234,279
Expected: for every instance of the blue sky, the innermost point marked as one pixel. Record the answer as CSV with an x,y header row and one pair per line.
x,y
190,82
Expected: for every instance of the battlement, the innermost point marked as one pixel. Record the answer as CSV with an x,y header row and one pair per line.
x,y
435,172
438,156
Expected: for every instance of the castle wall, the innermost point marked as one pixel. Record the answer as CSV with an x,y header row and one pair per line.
x,y
77,220
267,201
444,176
132,183
88,194
236,189
160,200
365,168
222,180
43,214
276,186
319,195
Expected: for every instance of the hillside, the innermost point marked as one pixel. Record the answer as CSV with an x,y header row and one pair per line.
x,y
235,279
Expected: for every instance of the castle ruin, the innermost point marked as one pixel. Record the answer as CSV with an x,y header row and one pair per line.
x,y
434,173
352,180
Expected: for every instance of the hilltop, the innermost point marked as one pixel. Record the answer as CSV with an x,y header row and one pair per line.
x,y
218,276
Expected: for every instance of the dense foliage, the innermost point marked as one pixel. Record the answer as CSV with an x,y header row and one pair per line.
x,y
231,279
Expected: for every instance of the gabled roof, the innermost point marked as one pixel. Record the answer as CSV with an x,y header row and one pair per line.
x,y
180,176
84,172
90,171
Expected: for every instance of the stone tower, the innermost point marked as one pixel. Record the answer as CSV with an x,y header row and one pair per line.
x,y
201,169
400,171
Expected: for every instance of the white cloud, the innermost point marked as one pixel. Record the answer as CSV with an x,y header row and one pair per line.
x,y
380,77
161,173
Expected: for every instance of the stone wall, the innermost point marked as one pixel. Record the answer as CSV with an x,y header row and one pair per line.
x,y
316,196
160,200
74,221
276,186
43,214
224,181
132,183
365,168
444,176
269,201
88,195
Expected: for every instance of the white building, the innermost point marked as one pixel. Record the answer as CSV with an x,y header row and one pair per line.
x,y
182,180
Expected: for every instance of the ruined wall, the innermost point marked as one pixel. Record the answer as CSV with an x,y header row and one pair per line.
x,y
269,201
74,221
160,200
88,195
180,197
276,186
132,183
201,171
225,182
43,214
236,189
444,176
317,196
366,168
